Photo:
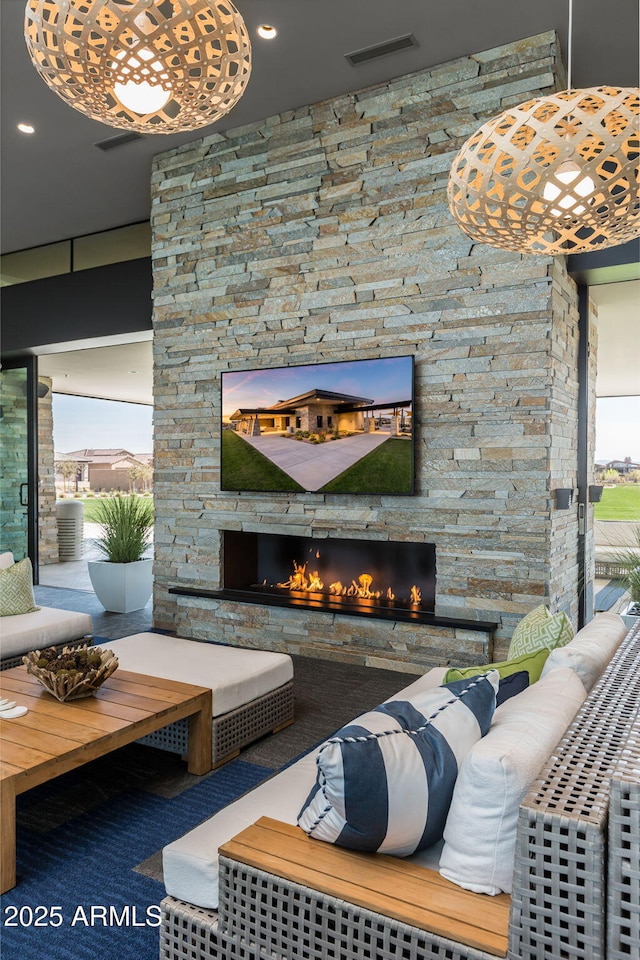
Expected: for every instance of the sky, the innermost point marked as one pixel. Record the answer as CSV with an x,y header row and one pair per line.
x,y
82,422
377,380
617,429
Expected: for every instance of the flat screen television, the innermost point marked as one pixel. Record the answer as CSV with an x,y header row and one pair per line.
x,y
344,427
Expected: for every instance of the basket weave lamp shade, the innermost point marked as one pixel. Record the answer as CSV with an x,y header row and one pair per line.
x,y
192,60
558,174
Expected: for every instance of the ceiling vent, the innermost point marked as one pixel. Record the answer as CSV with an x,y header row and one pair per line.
x,y
111,143
381,49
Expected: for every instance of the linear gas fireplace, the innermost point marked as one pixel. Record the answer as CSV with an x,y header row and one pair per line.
x,y
380,579
368,577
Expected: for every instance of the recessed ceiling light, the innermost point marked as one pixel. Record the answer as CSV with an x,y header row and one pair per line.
x,y
266,31
26,128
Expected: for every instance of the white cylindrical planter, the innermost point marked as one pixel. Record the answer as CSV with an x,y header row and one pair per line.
x,y
122,587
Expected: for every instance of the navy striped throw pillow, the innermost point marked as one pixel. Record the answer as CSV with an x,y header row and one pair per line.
x,y
385,781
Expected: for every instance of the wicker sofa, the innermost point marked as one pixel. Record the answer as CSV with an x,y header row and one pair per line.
x,y
575,887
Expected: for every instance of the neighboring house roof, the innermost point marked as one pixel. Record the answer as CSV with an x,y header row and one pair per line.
x,y
626,464
107,457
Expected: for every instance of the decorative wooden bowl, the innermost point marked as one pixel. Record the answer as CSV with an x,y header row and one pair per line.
x,y
73,672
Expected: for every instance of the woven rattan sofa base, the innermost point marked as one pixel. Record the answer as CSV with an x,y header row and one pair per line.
x,y
623,891
559,899
17,661
233,730
268,917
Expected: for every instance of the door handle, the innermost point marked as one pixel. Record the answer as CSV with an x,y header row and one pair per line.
x,y
23,502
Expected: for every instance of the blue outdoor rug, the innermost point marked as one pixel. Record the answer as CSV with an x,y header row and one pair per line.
x,y
78,895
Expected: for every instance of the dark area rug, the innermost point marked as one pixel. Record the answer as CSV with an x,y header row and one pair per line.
x,y
84,866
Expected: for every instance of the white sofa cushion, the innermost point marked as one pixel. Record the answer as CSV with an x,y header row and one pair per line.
x,y
591,649
42,628
235,674
6,560
190,863
480,832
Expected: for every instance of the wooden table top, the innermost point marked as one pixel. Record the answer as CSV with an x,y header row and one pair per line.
x,y
55,737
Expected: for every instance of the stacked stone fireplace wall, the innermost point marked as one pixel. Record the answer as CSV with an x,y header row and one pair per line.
x,y
323,234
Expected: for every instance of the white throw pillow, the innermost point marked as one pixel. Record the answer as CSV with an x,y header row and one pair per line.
x,y
591,649
6,560
480,832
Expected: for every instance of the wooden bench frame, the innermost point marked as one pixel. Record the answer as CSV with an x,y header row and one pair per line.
x,y
575,881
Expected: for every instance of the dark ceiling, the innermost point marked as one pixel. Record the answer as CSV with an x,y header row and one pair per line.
x,y
56,184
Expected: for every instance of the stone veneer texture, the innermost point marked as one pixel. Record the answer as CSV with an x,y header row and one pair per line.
x,y
324,234
47,523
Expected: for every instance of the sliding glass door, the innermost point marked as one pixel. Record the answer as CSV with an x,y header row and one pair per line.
x,y
18,443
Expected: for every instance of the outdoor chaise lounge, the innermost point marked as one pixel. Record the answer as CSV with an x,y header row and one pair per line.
x,y
577,865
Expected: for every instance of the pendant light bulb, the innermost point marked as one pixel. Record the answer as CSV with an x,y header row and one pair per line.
x,y
569,203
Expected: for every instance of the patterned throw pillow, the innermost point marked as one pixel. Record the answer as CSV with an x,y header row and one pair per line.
x,y
385,781
531,662
16,589
540,629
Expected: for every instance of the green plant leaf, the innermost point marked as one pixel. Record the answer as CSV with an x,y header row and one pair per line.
x,y
125,527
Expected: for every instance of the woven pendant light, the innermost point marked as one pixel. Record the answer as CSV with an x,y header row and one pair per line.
x,y
153,66
558,174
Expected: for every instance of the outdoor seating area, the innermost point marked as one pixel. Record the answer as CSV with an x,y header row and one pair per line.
x,y
320,489
573,870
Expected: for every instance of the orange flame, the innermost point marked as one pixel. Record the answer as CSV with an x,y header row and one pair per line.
x,y
360,589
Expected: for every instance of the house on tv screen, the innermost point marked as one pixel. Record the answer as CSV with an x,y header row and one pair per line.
x,y
324,410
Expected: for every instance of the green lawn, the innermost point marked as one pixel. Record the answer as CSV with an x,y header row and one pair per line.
x,y
245,468
90,508
619,503
387,469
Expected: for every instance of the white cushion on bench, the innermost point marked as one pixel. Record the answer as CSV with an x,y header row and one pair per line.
x,y
480,833
191,862
41,628
236,675
591,649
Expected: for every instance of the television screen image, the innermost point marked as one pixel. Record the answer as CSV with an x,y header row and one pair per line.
x,y
344,427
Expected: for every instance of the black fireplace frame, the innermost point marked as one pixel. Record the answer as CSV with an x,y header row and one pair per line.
x,y
243,565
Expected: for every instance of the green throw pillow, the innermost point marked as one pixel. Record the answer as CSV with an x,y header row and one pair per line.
x,y
16,589
531,662
540,629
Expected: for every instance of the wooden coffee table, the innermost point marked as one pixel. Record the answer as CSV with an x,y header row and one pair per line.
x,y
53,738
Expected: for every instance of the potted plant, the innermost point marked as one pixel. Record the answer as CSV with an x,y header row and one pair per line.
x,y
123,580
627,560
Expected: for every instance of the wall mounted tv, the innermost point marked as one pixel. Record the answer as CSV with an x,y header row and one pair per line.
x,y
344,427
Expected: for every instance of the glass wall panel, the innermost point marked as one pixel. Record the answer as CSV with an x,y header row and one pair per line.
x,y
14,482
112,246
34,264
